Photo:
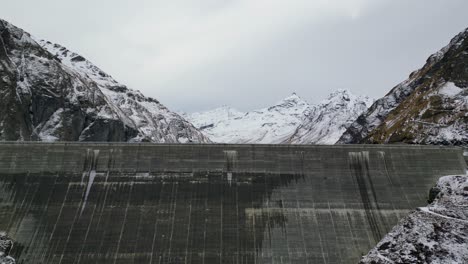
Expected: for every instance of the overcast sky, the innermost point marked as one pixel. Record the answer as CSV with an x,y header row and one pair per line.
x,y
196,55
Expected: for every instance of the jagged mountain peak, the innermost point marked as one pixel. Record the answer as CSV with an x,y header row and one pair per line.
x,y
344,96
293,97
290,101
50,93
341,93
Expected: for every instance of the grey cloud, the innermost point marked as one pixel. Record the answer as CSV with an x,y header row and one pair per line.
x,y
247,54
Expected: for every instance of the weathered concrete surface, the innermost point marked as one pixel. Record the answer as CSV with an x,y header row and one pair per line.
x,y
144,203
465,154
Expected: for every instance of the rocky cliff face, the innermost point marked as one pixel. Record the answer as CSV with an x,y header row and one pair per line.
x,y
5,247
52,94
434,234
430,107
290,121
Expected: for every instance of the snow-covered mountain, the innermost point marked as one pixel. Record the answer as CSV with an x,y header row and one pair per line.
x,y
430,107
437,233
273,124
290,121
326,122
50,93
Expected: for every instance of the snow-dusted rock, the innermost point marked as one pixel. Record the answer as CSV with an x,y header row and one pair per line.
x,y
52,94
290,121
430,107
5,246
437,233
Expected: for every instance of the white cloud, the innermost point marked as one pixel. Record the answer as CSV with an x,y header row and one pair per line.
x,y
174,38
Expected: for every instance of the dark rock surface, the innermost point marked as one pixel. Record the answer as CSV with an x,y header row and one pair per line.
x,y
49,93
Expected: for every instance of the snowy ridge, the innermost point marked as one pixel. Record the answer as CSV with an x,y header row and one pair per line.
x,y
289,121
437,233
62,96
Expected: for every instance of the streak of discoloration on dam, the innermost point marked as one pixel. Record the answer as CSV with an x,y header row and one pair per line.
x,y
149,203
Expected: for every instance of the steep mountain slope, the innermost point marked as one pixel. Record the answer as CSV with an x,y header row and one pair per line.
x,y
325,123
50,93
273,124
290,121
431,107
434,234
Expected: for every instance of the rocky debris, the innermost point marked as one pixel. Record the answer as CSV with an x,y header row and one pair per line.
x,y
437,233
5,246
49,93
290,121
430,107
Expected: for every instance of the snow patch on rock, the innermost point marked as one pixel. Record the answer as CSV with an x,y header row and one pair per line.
x,y
450,89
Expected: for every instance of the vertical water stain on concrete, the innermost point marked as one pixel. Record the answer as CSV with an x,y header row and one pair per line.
x,y
91,155
465,157
359,165
384,161
231,159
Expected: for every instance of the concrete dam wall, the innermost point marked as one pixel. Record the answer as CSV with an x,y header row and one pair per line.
x,y
147,203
